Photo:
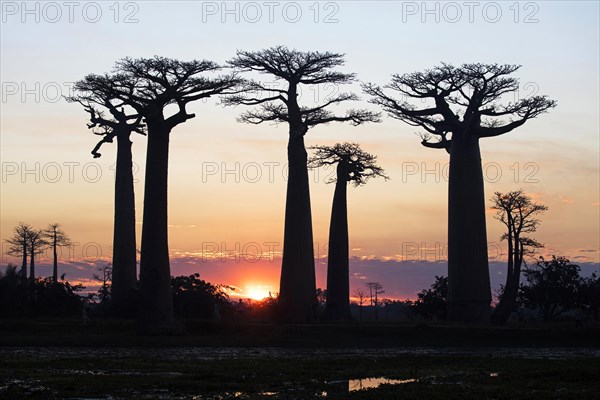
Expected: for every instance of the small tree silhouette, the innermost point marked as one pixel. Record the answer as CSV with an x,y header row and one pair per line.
x,y
18,245
433,302
35,244
552,287
461,105
518,213
119,125
352,165
55,237
105,277
375,289
297,296
360,296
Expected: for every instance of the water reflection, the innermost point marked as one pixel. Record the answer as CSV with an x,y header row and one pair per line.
x,y
353,385
374,383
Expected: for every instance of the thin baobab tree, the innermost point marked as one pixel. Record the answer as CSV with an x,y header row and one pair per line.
x,y
35,244
18,245
456,107
293,70
148,86
119,124
517,211
356,166
55,237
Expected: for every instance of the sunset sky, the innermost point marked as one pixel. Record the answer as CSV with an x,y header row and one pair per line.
x,y
227,180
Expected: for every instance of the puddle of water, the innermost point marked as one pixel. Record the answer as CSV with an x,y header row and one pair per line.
x,y
374,383
354,385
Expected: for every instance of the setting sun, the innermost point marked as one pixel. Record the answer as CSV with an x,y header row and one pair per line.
x,y
256,292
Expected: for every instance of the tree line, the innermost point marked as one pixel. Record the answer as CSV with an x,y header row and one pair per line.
x,y
27,242
455,106
553,289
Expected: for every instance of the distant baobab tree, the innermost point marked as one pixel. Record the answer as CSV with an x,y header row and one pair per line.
x,y
148,85
518,213
96,97
18,245
375,289
356,166
297,295
456,107
35,243
55,237
360,296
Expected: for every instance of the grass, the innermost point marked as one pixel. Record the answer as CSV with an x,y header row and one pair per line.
x,y
71,332
439,377
59,359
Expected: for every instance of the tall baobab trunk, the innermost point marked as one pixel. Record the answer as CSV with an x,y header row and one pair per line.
x,y
55,259
156,306
24,263
338,281
32,263
124,250
469,293
297,292
509,297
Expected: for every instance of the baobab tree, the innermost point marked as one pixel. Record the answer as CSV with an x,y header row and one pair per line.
x,y
18,245
518,213
35,244
148,85
457,107
294,70
356,166
375,289
119,125
360,296
55,237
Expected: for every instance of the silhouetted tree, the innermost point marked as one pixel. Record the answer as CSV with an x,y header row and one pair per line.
x,y
119,125
13,290
35,244
148,85
18,245
518,213
360,296
375,289
105,278
589,296
356,166
433,302
38,297
459,106
552,287
55,237
49,298
280,105
196,298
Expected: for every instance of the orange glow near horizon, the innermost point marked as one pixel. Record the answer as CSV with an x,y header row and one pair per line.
x,y
256,292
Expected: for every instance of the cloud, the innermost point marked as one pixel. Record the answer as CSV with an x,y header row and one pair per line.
x,y
566,199
401,279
